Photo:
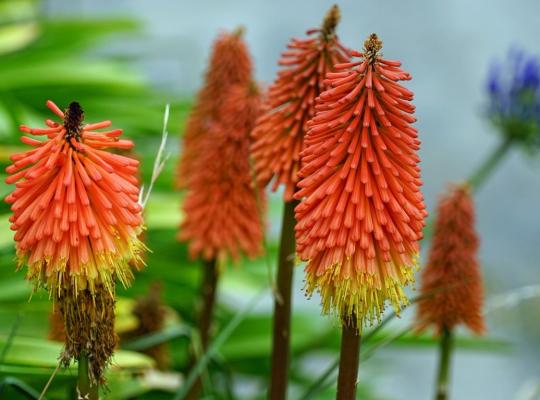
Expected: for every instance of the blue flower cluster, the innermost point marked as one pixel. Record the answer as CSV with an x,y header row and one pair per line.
x,y
514,93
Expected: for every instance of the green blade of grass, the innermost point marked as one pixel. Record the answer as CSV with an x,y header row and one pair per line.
x,y
155,338
216,345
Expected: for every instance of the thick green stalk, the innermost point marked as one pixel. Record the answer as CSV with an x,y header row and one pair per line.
x,y
479,177
86,390
349,361
282,307
445,351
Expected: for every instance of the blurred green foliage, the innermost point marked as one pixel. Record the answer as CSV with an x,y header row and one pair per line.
x,y
55,62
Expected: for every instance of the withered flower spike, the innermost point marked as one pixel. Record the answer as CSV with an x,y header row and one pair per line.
x,y
89,326
57,330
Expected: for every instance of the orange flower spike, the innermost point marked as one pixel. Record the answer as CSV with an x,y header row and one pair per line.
x,y
223,211
230,64
452,281
279,134
362,212
75,206
76,216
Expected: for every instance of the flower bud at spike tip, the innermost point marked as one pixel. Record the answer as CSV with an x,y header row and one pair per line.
x,y
278,137
76,219
452,288
361,216
331,20
372,46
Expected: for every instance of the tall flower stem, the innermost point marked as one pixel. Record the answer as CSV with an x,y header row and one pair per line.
x,y
208,294
479,177
349,360
86,390
208,291
282,307
445,350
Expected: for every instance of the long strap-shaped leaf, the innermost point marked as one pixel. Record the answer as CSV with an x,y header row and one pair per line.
x,y
19,386
216,345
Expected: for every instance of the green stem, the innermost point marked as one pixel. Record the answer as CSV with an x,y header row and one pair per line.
x,y
208,294
479,177
282,307
209,290
322,380
444,365
216,345
349,361
86,390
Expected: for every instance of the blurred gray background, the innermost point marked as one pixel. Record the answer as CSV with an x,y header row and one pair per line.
x,y
447,46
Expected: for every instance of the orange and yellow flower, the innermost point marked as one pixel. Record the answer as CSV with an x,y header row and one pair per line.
x,y
75,206
452,288
362,211
223,210
279,134
77,217
229,65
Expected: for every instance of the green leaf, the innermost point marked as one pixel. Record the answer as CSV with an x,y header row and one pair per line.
x,y
163,211
35,352
216,345
7,235
155,338
253,338
15,36
19,385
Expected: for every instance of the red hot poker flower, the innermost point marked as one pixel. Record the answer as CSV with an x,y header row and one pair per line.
x,y
452,281
230,64
75,206
279,134
362,211
76,216
222,208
